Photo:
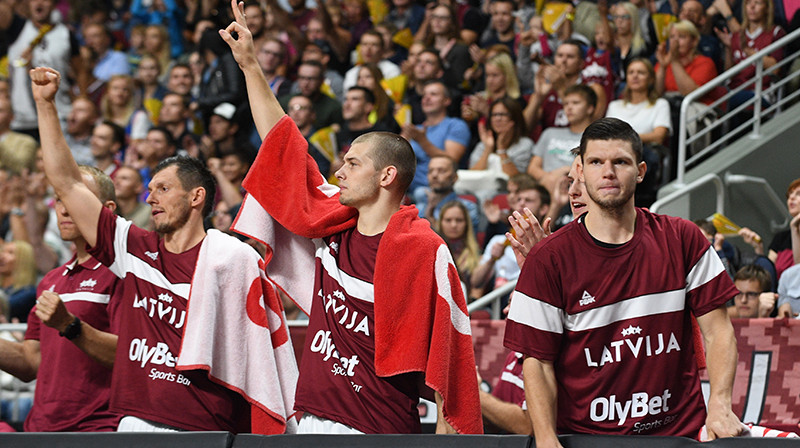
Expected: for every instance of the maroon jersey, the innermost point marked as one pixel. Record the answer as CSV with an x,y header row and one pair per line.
x,y
615,322
145,383
72,389
337,371
756,41
509,386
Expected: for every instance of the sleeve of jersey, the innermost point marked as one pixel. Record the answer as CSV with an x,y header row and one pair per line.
x,y
708,286
34,326
535,322
111,247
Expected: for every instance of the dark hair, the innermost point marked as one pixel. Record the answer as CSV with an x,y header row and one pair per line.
x,y
117,132
577,43
185,100
368,95
171,142
192,174
757,273
515,111
544,195
182,65
372,32
316,64
431,50
387,149
583,90
608,128
706,226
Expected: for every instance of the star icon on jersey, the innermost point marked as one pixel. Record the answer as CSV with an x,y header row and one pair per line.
x,y
165,298
631,330
334,247
338,294
89,283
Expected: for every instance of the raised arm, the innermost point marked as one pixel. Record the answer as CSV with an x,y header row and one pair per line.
x,y
263,104
59,165
721,357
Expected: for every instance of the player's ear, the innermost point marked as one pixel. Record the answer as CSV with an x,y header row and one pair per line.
x,y
642,167
388,175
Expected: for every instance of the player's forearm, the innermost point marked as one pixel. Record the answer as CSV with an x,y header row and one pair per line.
x,y
59,165
481,274
540,394
507,416
266,109
721,358
442,427
99,345
14,359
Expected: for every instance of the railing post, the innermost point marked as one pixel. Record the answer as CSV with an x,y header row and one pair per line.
x,y
757,92
682,135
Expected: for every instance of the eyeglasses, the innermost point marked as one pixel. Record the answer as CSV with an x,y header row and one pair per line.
x,y
748,295
299,107
620,16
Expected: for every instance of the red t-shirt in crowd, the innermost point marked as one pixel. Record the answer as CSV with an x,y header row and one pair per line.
x,y
337,372
701,70
72,389
145,383
616,324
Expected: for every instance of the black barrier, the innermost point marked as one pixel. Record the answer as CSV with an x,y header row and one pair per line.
x,y
227,440
382,441
117,440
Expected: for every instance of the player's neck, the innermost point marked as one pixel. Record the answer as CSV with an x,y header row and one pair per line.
x,y
611,226
185,238
81,256
374,218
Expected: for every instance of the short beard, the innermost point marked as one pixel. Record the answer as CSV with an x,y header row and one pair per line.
x,y
614,207
180,220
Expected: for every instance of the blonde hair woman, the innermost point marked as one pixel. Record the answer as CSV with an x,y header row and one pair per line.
x,y
18,277
455,227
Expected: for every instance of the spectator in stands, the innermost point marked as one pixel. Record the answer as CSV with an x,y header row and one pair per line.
x,y
223,132
630,38
370,49
455,227
392,52
370,77
80,122
640,105
406,14
273,59
501,81
758,32
552,155
755,298
438,134
118,106
501,28
533,48
157,146
680,67
223,82
545,105
18,276
229,172
442,176
321,52
256,21
505,407
504,143
17,150
355,17
499,260
428,67
440,31
310,76
156,42
335,40
181,79
358,104
73,386
709,45
128,188
149,91
107,141
177,118
789,293
784,250
33,42
103,61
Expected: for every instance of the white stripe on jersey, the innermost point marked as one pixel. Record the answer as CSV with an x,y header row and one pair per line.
x,y
536,313
647,305
543,316
356,288
85,297
513,379
126,263
706,268
458,318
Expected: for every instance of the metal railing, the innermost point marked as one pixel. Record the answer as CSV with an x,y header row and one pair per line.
x,y
681,192
721,127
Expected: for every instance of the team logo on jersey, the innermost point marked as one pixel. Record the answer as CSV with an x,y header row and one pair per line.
x,y
631,330
89,283
586,298
334,246
165,298
152,255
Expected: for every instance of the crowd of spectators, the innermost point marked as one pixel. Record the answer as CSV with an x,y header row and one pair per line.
x,y
492,96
